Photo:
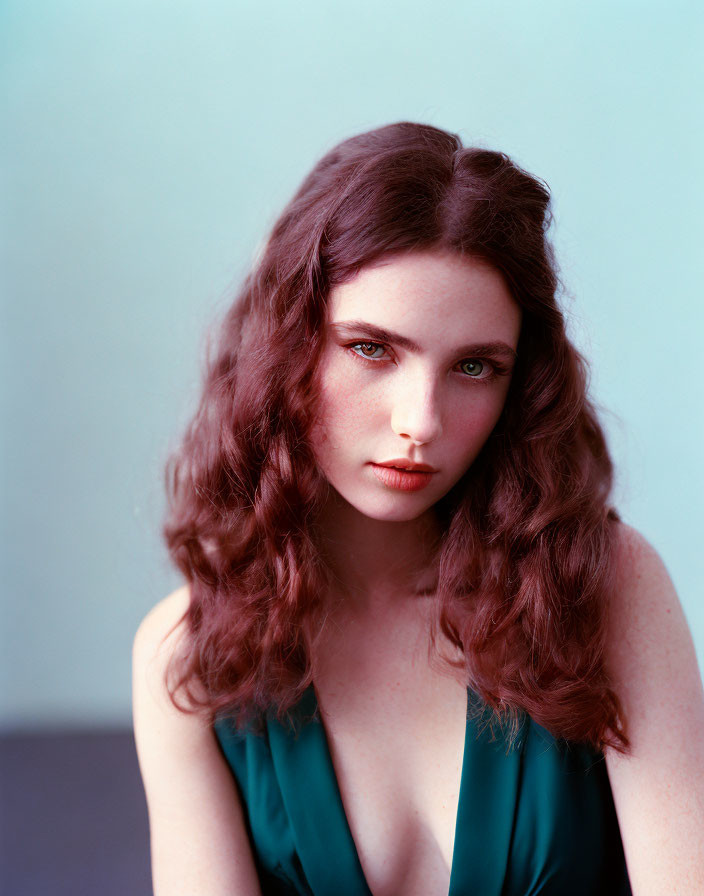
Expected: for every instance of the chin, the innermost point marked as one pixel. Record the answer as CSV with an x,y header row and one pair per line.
x,y
391,511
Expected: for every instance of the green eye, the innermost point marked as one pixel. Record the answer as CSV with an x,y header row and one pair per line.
x,y
472,367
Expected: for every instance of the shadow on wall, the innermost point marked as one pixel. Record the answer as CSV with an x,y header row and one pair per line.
x,y
74,817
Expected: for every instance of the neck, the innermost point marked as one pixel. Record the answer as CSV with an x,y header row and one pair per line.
x,y
375,563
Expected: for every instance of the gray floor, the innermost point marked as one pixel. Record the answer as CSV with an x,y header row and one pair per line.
x,y
74,819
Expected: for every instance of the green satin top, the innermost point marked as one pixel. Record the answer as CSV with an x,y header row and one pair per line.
x,y
537,818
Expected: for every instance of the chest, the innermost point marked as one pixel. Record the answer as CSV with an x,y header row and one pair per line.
x,y
395,725
534,817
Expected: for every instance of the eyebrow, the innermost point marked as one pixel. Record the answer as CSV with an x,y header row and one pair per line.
x,y
380,334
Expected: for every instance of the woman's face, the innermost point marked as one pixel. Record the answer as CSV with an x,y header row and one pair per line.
x,y
417,362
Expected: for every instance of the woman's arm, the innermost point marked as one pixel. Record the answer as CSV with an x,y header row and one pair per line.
x,y
199,842
659,788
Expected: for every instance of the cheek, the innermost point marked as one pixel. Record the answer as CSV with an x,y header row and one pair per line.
x,y
345,408
472,426
349,403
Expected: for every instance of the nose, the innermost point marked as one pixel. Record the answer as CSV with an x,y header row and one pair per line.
x,y
416,413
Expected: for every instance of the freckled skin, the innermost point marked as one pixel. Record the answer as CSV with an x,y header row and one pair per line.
x,y
373,682
422,406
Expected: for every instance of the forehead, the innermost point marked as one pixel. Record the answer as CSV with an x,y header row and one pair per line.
x,y
428,293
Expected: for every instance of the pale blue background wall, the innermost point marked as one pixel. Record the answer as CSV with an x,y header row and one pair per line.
x,y
147,147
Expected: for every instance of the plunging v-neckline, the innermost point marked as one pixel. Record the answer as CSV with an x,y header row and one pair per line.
x,y
341,808
324,841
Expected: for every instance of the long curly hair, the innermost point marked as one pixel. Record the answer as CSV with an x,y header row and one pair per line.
x,y
526,562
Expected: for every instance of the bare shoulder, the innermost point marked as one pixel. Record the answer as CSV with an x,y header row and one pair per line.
x,y
636,559
162,628
160,636
658,786
647,623
197,830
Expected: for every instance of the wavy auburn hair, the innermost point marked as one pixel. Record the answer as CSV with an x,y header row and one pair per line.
x,y
526,560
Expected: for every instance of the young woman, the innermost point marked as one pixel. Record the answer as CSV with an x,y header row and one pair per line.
x,y
417,652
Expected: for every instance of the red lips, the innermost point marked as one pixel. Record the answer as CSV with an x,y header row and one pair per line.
x,y
402,463
409,479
